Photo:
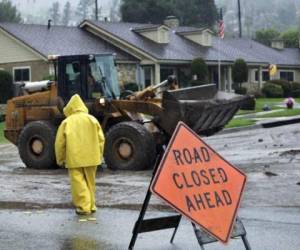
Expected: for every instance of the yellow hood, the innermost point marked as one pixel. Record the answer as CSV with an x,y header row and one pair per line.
x,y
75,105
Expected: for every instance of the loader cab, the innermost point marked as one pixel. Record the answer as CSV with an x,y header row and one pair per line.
x,y
90,76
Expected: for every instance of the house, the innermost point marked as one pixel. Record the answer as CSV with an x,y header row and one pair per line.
x,y
145,53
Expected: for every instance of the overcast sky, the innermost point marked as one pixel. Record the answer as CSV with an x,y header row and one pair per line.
x,y
33,6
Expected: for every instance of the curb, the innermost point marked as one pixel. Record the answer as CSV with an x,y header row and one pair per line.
x,y
271,124
280,123
238,129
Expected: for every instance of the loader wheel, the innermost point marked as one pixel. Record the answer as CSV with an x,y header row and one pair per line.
x,y
129,146
36,145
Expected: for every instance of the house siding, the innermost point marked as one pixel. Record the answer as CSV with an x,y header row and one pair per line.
x,y
297,75
13,51
39,69
127,73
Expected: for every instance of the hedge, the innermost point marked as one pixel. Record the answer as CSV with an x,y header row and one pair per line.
x,y
295,89
286,86
249,104
272,90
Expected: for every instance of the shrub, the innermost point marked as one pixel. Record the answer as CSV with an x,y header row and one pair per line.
x,y
254,90
200,69
241,91
6,86
256,94
240,72
272,90
286,86
131,86
249,104
295,89
49,77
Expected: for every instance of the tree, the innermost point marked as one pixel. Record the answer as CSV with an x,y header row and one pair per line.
x,y
189,12
199,68
9,12
84,8
114,12
66,14
287,14
291,38
54,13
239,72
265,36
153,11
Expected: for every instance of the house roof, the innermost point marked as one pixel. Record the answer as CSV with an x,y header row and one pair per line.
x,y
61,40
180,48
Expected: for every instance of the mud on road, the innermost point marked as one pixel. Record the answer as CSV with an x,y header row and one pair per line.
x,y
270,158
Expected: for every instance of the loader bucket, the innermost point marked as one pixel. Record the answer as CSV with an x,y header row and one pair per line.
x,y
203,108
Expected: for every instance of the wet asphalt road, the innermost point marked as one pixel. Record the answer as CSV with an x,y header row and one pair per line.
x,y
270,207
268,229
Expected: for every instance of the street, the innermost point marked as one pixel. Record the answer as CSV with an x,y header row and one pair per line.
x,y
36,212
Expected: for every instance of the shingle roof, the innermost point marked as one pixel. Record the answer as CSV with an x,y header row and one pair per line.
x,y
179,48
61,40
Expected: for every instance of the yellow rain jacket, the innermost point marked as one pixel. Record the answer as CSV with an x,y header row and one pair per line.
x,y
79,140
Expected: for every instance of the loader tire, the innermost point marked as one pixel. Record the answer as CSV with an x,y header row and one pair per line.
x,y
129,146
36,145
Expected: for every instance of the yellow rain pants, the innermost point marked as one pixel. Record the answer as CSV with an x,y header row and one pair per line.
x,y
83,188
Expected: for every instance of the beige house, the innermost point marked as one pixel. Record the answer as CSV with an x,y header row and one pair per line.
x,y
145,53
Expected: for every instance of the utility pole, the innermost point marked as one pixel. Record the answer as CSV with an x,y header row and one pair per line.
x,y
96,10
240,18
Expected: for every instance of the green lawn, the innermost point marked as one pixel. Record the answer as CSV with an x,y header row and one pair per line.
x,y
239,122
271,102
2,138
260,102
283,113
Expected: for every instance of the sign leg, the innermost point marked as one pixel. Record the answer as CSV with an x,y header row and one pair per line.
x,y
175,231
198,237
246,243
139,222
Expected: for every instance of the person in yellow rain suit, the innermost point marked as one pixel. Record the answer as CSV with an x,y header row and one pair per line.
x,y
79,147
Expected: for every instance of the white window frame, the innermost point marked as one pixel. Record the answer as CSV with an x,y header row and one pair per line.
x,y
263,70
151,74
288,70
22,67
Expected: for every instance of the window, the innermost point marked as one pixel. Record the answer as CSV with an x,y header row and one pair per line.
x,y
265,75
148,74
73,77
165,72
22,74
287,75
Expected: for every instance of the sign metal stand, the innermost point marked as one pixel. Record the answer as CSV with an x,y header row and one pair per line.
x,y
169,222
203,235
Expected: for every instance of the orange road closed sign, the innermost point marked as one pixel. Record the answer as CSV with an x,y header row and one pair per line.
x,y
199,183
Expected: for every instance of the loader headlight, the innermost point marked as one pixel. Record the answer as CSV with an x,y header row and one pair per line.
x,y
102,101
